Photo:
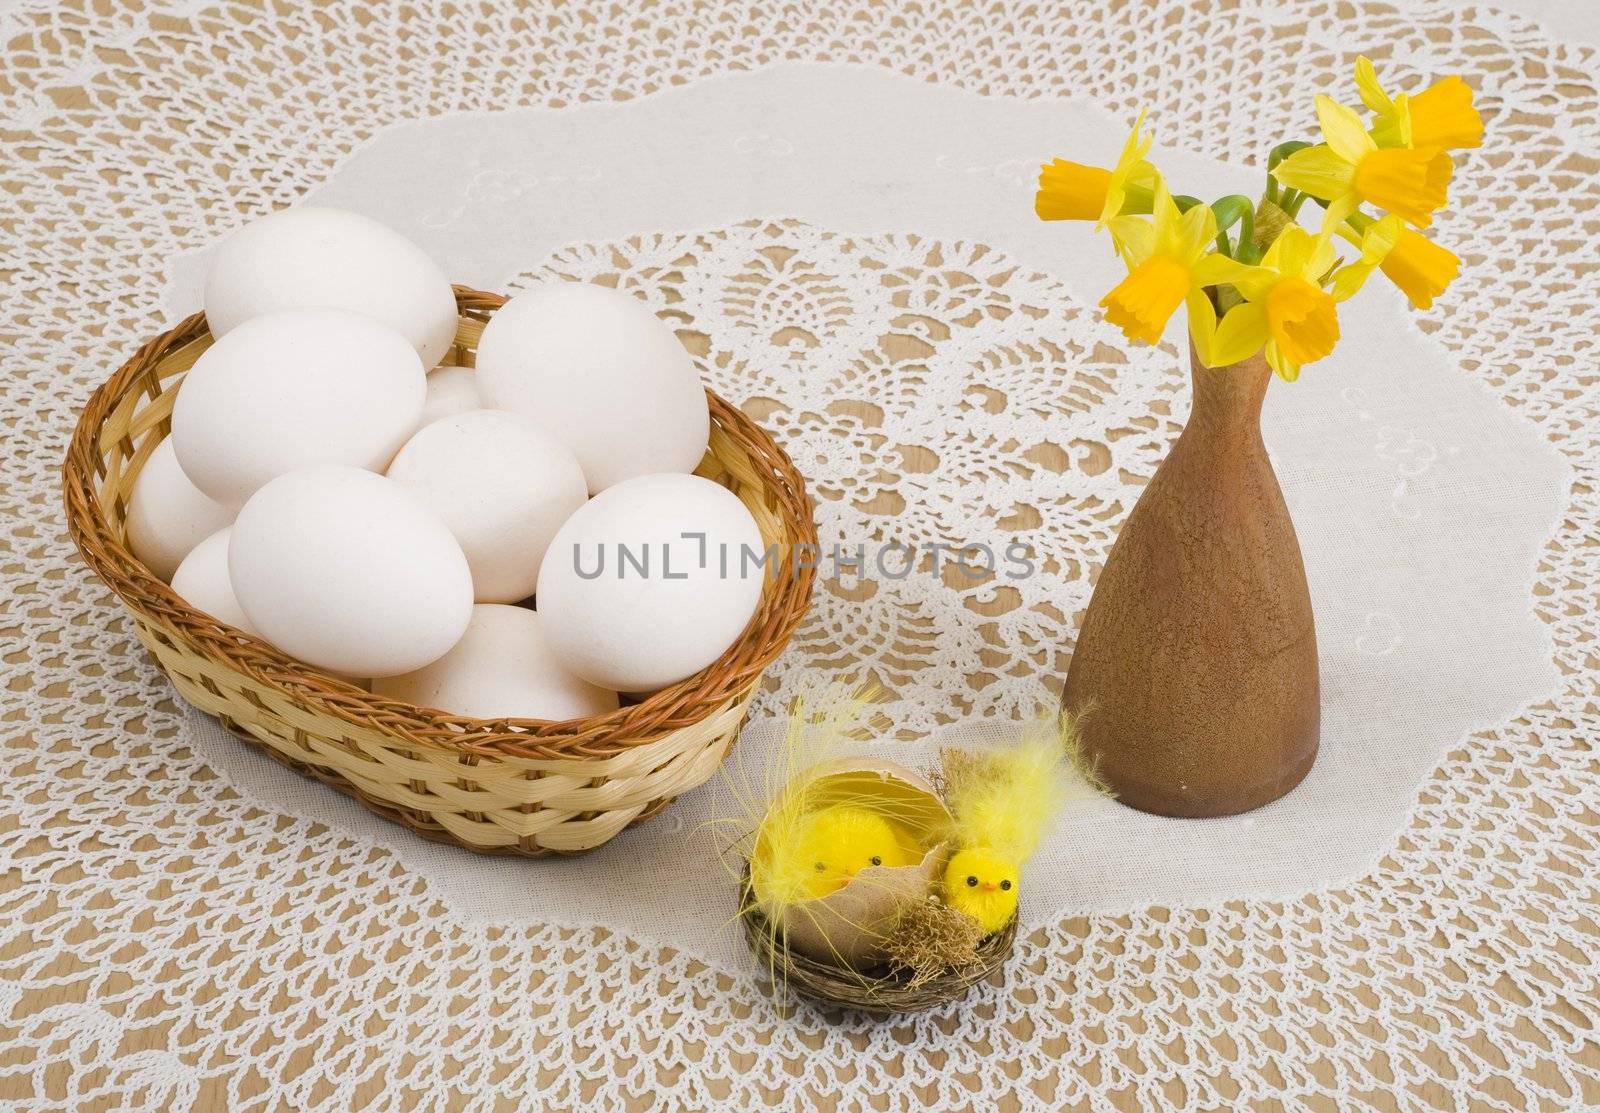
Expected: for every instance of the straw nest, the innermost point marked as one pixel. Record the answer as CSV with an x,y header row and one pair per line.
x,y
882,992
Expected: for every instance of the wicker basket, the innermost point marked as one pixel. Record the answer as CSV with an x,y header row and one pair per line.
x,y
881,993
522,787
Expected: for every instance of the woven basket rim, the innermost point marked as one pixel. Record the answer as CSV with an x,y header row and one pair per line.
x,y
783,604
881,996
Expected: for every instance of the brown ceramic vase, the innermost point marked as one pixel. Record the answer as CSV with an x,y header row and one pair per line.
x,y
1197,660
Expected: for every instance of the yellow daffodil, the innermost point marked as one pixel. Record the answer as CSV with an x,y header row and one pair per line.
x,y
1440,116
1161,259
1073,191
1272,288
1349,168
1421,268
1285,308
1376,243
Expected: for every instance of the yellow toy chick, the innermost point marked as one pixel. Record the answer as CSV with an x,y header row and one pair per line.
x,y
1004,804
981,883
842,840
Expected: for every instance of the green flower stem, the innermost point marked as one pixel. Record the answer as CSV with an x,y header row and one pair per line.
x,y
1230,210
1247,225
1275,191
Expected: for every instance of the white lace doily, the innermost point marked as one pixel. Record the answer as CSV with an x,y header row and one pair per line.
x,y
1415,922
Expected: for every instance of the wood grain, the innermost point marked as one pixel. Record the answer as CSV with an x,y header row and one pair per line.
x,y
1196,667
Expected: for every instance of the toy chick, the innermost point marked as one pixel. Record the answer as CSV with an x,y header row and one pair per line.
x,y
983,884
1004,804
837,845
842,840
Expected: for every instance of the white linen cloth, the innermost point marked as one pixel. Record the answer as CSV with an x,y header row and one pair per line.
x,y
1421,502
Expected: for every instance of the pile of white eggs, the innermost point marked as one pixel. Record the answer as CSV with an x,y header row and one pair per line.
x,y
454,535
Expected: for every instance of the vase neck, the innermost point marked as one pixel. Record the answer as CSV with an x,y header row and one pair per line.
x,y
1227,400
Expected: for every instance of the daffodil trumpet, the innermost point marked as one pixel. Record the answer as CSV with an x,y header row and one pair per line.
x,y
1252,278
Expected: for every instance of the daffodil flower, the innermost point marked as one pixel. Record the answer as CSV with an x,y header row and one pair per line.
x,y
1286,310
1349,168
1282,304
1161,258
1440,116
1421,268
1376,242
1073,191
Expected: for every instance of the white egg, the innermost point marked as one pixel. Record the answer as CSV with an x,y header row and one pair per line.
x,y
503,486
451,390
651,581
311,256
202,582
295,389
168,515
599,370
502,668
347,571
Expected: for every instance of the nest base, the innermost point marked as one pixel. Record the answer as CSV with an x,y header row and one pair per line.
x,y
876,993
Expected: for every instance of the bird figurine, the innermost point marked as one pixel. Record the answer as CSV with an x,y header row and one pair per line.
x,y
983,884
1003,804
835,845
840,841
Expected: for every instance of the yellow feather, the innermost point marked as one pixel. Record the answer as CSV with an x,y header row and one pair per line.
x,y
1008,799
1004,803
